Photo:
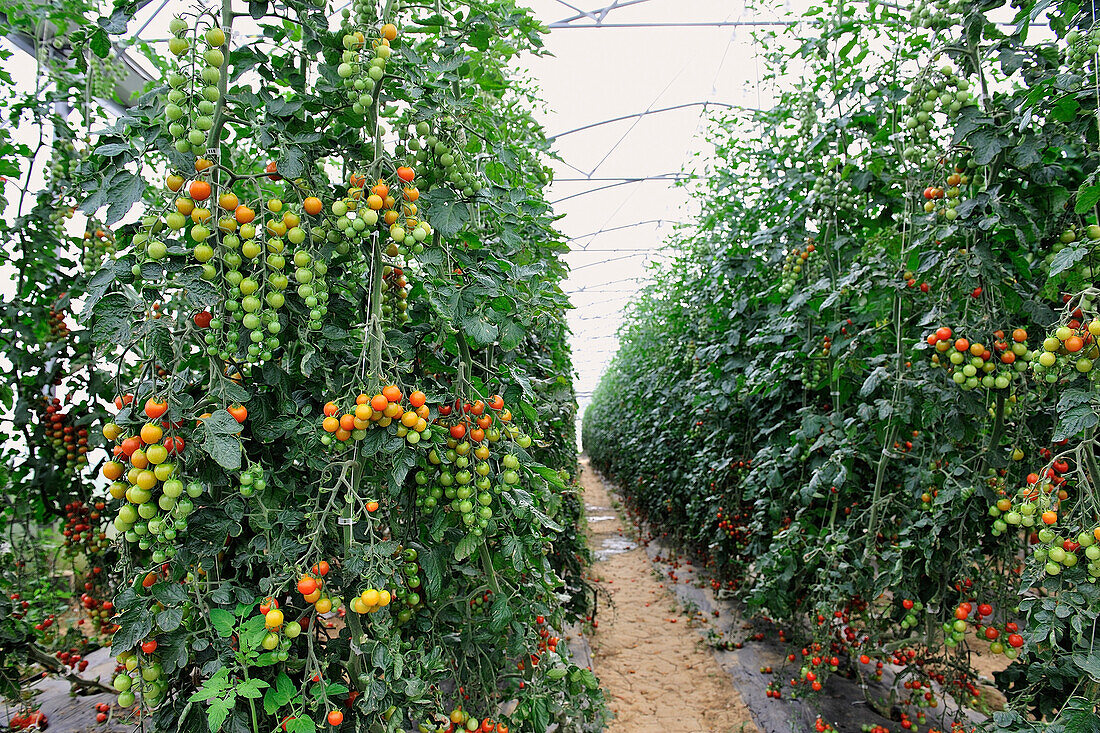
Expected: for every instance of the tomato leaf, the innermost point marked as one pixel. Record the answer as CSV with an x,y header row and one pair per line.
x,y
1067,258
170,618
222,621
467,546
219,711
1087,197
446,214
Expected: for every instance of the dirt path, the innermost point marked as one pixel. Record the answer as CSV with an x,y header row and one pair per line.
x,y
652,664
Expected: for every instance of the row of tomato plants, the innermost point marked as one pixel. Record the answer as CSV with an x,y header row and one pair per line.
x,y
318,390
867,379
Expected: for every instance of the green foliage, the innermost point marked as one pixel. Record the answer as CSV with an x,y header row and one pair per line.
x,y
457,294
775,403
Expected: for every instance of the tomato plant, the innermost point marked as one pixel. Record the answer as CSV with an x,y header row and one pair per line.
x,y
880,342
339,450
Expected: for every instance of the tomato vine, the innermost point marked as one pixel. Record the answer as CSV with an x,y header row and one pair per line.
x,y
865,388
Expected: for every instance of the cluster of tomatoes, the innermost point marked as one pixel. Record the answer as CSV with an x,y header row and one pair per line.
x,y
1072,345
363,64
921,695
45,624
99,243
460,720
102,712
382,410
140,670
1057,552
1036,503
73,659
19,606
795,264
69,441
29,720
1081,49
956,727
257,285
945,202
280,632
973,364
311,587
81,530
95,601
143,473
822,727
816,369
977,614
439,156
548,643
395,291
874,728
911,608
59,330
735,526
470,470
189,111
407,228
938,95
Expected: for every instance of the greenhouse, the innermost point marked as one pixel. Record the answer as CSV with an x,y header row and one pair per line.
x,y
725,366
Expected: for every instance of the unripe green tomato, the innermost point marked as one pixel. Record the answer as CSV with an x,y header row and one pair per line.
x,y
178,46
157,250
215,36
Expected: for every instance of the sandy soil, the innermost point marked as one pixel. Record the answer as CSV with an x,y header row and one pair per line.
x,y
652,663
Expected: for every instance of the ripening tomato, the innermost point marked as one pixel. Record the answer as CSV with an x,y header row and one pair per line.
x,y
199,190
335,717
312,205
406,173
228,201
244,214
239,412
458,431
202,319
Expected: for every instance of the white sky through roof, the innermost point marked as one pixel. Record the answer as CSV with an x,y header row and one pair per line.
x,y
596,74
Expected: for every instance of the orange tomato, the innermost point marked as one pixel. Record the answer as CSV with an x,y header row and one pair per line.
x,y
199,190
312,205
228,201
